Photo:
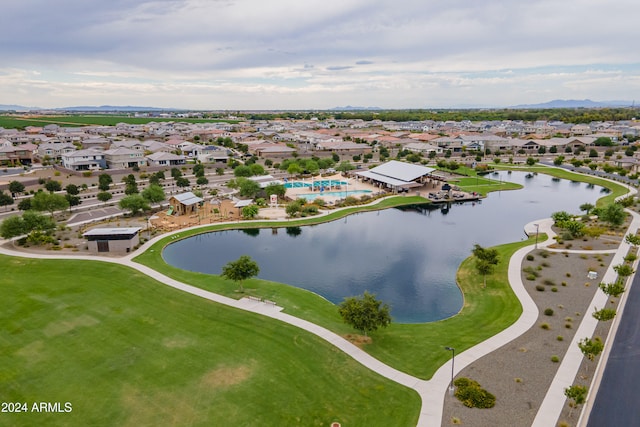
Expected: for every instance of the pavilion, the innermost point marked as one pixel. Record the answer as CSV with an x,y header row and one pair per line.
x,y
398,176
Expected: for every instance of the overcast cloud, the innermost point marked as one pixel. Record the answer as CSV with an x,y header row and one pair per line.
x,y
283,54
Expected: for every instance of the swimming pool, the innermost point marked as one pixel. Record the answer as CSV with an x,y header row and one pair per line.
x,y
322,183
341,194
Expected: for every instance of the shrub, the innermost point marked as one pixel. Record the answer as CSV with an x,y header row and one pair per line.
x,y
568,325
548,311
544,254
549,282
472,395
531,277
555,359
539,288
604,314
545,326
560,338
554,289
545,264
568,274
530,257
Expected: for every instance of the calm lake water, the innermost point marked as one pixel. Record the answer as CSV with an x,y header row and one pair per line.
x,y
407,256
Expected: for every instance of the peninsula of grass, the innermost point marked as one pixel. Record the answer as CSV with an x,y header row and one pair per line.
x,y
125,350
470,180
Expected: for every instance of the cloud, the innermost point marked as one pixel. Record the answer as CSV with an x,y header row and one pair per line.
x,y
422,51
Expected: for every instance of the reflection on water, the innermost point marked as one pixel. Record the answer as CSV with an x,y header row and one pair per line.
x,y
408,256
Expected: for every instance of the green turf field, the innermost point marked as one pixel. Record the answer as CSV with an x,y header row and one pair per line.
x,y
124,350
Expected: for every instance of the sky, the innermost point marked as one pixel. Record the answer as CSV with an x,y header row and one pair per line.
x,y
310,54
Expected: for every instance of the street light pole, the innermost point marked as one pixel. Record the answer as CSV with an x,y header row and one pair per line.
x,y
537,229
453,361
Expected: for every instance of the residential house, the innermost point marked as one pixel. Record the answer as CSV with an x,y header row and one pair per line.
x,y
161,158
54,151
84,160
124,158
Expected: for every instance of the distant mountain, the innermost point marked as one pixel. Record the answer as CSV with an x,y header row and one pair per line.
x,y
112,108
5,107
350,108
575,103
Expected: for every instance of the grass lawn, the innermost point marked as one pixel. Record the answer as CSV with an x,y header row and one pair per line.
x,y
125,350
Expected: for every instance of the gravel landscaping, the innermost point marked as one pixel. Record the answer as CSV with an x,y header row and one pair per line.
x,y
520,373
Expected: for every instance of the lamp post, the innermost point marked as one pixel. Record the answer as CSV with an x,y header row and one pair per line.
x,y
453,361
537,229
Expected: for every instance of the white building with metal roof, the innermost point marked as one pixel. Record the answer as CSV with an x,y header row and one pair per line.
x,y
397,175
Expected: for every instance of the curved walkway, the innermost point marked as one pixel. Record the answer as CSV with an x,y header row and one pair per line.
x,y
432,392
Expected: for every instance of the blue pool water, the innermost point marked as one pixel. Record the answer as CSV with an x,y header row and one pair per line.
x,y
323,183
341,194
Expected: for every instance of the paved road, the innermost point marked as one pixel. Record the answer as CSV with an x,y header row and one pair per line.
x,y
616,403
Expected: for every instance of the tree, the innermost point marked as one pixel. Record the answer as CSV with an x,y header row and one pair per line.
x,y
104,196
52,186
202,180
240,270
28,222
175,173
198,170
345,166
365,313
245,186
104,181
250,211
603,141
153,194
486,260
578,394
25,204
558,160
294,169
131,186
613,213
49,202
293,208
72,189
134,203
72,200
182,182
35,221
16,187
586,207
256,169
12,227
591,347
242,171
531,161
278,189
5,199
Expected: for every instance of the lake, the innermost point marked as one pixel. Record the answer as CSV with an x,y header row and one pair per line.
x,y
407,256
